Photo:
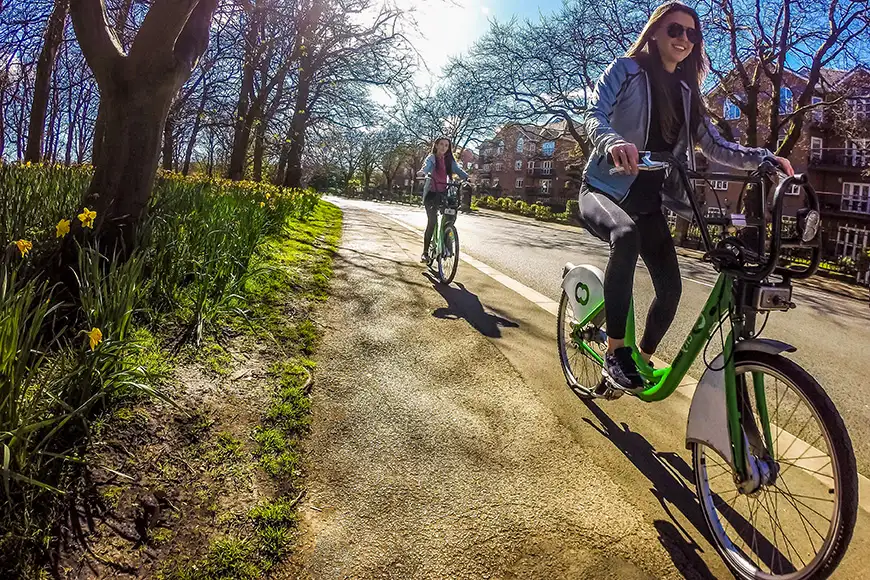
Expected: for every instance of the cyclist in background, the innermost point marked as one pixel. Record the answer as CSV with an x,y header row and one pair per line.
x,y
650,99
441,166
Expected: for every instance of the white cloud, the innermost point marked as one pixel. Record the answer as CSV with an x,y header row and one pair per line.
x,y
484,10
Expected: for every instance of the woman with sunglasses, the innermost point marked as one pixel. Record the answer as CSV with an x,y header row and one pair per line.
x,y
650,99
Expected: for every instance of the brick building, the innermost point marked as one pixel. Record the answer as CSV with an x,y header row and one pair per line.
x,y
834,151
527,162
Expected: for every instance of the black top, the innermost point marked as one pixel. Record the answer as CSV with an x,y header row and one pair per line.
x,y
645,195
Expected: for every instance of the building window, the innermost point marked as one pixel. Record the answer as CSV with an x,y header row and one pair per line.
x,y
495,181
856,197
546,167
520,144
548,148
816,145
486,166
531,165
519,182
500,149
531,148
859,107
730,110
786,101
407,182
499,166
484,182
852,241
795,189
719,185
857,153
818,112
518,164
715,212
545,186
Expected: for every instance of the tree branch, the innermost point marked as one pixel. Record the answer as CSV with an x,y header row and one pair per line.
x,y
159,32
98,41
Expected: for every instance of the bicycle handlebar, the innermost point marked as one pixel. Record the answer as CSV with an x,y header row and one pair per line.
x,y
808,217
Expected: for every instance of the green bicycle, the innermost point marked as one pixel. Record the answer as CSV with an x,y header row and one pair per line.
x,y
774,469
444,248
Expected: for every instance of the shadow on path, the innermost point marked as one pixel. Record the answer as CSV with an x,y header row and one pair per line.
x,y
670,477
464,304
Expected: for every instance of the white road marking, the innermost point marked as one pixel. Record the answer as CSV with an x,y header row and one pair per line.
x,y
686,388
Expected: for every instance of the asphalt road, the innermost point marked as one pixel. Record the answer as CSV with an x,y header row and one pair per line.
x,y
831,332
445,444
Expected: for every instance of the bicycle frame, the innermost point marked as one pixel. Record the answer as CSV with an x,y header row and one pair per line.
x,y
663,382
728,299
441,224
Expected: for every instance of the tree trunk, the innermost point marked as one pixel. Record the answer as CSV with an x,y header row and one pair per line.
x,y
125,170
99,132
242,132
42,86
259,148
281,170
168,144
197,123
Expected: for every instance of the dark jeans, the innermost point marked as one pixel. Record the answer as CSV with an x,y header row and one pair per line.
x,y
646,235
431,202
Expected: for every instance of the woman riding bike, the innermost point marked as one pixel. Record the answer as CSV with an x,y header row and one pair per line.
x,y
649,99
436,165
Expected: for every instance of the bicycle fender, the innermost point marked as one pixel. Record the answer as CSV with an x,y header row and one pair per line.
x,y
708,414
765,345
584,286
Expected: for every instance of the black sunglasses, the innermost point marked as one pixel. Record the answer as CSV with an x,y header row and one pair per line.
x,y
676,30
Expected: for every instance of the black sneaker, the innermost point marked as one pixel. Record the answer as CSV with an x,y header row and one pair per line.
x,y
622,370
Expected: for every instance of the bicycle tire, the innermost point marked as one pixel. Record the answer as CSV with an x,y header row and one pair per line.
x,y
585,385
450,234
845,476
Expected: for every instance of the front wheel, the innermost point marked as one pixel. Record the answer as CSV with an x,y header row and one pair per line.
x,y
796,523
448,260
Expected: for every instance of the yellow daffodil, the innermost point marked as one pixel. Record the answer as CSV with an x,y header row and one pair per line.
x,y
87,218
95,337
24,246
262,204
28,164
268,195
62,228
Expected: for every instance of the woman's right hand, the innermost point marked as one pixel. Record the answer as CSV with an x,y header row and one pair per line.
x,y
625,155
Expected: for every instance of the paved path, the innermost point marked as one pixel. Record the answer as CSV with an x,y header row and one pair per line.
x,y
445,445
831,332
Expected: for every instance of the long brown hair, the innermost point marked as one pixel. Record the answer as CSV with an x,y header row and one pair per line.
x,y
693,70
448,155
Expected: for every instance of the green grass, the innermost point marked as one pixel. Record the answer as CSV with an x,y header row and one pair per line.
x,y
234,557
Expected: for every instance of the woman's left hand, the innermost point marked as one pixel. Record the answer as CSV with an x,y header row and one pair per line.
x,y
785,164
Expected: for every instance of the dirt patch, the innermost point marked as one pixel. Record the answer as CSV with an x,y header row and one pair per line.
x,y
206,487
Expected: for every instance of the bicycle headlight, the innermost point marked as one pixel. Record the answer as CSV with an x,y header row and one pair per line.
x,y
808,225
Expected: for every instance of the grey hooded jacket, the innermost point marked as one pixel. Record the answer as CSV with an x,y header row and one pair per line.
x,y
619,112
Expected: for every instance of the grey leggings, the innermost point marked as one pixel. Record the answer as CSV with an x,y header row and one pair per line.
x,y
646,235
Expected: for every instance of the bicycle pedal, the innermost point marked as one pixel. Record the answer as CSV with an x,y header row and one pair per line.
x,y
607,390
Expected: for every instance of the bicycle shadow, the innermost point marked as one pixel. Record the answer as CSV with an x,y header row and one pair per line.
x,y
466,305
669,475
672,482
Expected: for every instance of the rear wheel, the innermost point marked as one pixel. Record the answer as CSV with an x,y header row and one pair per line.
x,y
578,348
797,523
448,261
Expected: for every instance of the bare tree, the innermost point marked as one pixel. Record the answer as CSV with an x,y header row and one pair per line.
x,y
338,51
44,68
136,91
754,45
